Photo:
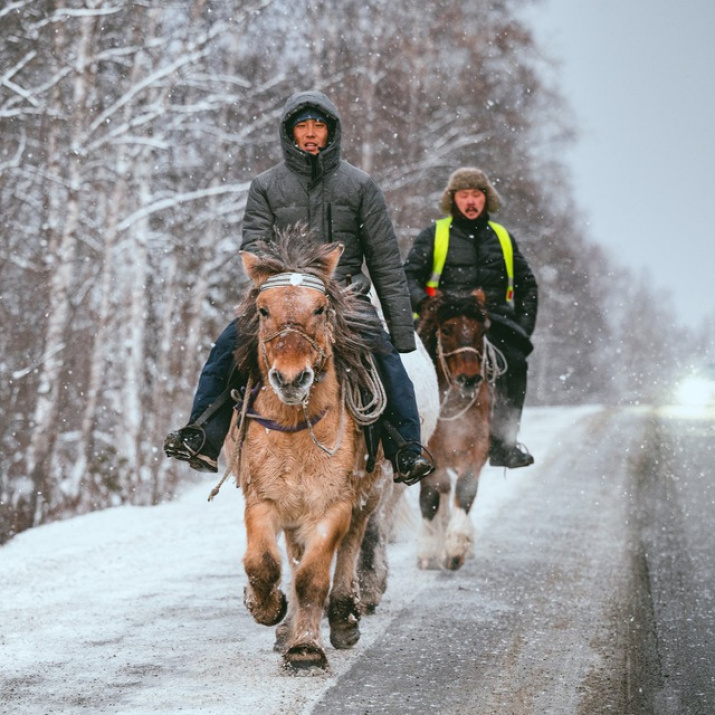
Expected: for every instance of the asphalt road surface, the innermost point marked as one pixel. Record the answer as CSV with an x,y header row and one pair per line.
x,y
594,593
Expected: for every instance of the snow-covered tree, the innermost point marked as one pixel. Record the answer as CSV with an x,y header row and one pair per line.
x,y
131,132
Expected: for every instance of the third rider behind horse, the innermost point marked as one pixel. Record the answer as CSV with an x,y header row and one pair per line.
x,y
467,250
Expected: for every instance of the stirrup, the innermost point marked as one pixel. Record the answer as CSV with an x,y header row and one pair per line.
x,y
185,443
418,466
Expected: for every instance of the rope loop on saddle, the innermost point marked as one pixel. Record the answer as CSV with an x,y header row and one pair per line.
x,y
366,413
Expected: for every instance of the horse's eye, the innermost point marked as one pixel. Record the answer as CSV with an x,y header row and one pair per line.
x,y
263,312
319,311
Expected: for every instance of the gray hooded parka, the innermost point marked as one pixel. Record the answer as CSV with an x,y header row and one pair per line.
x,y
340,203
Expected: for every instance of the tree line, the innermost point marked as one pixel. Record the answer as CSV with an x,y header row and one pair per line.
x,y
131,131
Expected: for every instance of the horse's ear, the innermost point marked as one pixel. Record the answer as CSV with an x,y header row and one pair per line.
x,y
478,293
252,266
332,257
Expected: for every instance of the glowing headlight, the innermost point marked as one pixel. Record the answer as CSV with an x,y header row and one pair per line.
x,y
696,392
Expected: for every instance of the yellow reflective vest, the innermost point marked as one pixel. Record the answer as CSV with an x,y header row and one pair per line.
x,y
441,246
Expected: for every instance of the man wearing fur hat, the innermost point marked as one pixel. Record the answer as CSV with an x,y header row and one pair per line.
x,y
477,257
338,202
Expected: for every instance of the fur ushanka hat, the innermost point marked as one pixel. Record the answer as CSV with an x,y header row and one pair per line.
x,y
469,177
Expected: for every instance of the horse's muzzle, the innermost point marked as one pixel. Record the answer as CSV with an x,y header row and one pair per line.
x,y
468,385
292,390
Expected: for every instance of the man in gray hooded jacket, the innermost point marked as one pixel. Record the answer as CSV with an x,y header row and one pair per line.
x,y
339,203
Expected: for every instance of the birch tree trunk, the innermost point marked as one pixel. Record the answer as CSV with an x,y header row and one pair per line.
x,y
86,478
62,274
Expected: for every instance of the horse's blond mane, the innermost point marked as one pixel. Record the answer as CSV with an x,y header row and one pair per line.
x,y
356,328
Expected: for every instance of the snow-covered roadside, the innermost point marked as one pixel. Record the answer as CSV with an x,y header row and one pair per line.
x,y
138,610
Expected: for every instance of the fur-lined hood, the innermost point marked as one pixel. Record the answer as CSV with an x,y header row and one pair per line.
x,y
296,159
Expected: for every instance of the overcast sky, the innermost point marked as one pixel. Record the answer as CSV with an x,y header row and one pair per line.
x,y
640,77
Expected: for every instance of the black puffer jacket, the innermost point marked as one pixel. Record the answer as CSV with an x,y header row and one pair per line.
x,y
475,260
340,203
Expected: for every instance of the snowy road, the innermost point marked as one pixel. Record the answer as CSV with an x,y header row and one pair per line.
x,y
674,488
138,610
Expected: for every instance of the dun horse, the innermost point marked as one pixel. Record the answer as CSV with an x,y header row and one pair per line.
x,y
454,330
300,454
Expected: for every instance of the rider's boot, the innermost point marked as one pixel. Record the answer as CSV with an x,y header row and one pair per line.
x,y
199,442
189,444
510,456
506,419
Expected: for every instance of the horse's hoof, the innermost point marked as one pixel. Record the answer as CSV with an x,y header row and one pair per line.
x,y
305,658
266,616
428,563
454,563
344,618
368,606
345,636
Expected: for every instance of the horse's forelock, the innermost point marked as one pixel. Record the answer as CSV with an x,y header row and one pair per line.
x,y
295,250
354,326
441,308
450,306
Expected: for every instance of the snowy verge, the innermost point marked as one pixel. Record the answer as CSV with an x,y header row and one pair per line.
x,y
139,609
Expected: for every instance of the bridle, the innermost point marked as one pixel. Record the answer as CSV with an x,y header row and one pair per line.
x,y
318,366
244,413
492,364
303,280
442,357
307,281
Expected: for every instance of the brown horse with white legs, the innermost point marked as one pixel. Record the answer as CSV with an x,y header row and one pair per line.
x,y
300,452
454,330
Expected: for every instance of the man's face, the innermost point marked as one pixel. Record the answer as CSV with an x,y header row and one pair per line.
x,y
470,202
310,135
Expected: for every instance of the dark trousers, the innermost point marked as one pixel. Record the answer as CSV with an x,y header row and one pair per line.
x,y
510,390
218,374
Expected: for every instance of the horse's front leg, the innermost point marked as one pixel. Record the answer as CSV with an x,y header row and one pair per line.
x,y
344,606
434,507
459,539
294,552
262,562
310,587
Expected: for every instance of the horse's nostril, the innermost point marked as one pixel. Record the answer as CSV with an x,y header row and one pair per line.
x,y
277,378
468,381
299,382
304,378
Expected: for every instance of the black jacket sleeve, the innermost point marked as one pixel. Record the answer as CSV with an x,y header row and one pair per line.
x,y
418,266
258,219
526,292
382,255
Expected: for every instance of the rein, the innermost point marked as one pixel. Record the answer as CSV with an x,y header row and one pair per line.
x,y
352,400
319,374
492,364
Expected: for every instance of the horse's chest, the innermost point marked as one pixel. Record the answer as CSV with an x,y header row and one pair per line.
x,y
291,472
